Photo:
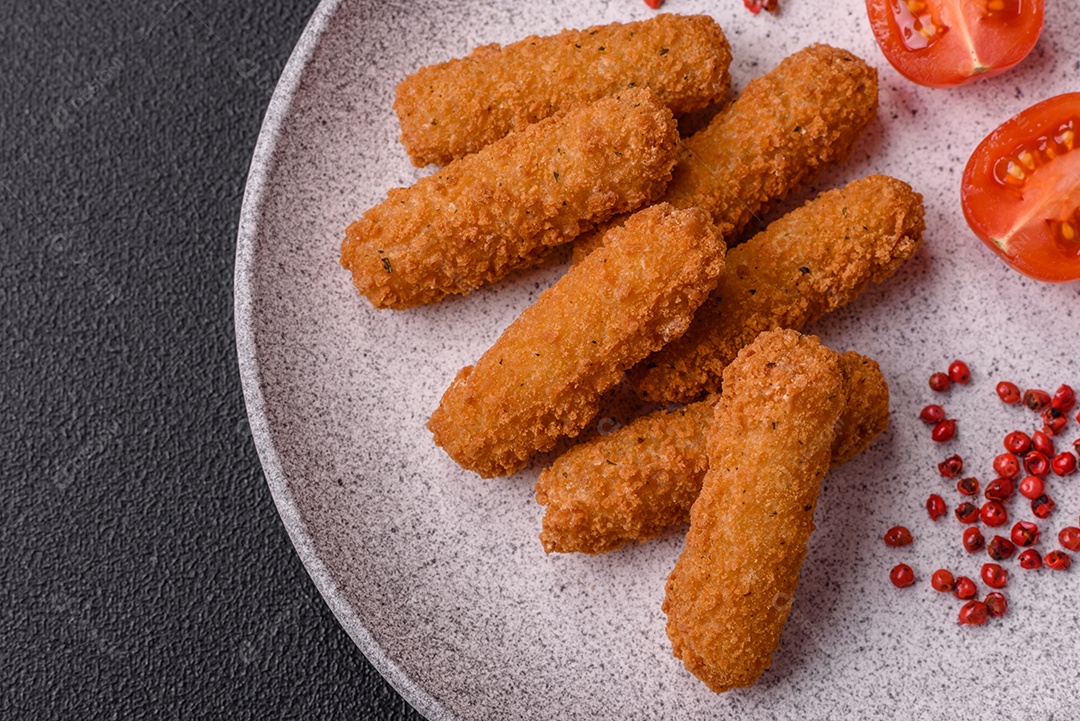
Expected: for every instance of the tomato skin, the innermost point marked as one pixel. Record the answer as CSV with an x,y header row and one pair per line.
x,y
1021,224
947,59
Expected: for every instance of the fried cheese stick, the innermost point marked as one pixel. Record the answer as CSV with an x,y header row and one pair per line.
x,y
544,376
769,446
784,128
810,262
455,108
643,478
500,209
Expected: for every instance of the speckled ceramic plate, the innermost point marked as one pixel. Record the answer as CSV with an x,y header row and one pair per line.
x,y
438,575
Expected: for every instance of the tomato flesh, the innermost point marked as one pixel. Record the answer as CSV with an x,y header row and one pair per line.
x,y
1021,190
944,43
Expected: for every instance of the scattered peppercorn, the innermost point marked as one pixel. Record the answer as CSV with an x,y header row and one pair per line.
x,y
1064,463
1008,392
1041,442
1036,400
940,382
959,372
1025,533
1036,464
898,536
932,414
1032,487
996,605
1017,442
902,576
1006,466
944,431
967,512
1043,506
943,581
951,467
974,613
999,489
1000,548
1030,559
993,514
1057,560
965,588
1069,538
968,486
1064,399
973,540
1053,421
994,575
935,506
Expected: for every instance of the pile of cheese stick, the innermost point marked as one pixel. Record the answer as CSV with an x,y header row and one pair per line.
x,y
574,138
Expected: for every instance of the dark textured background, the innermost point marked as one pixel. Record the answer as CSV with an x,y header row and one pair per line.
x,y
144,569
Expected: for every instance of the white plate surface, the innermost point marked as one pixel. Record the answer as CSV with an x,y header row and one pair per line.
x,y
438,575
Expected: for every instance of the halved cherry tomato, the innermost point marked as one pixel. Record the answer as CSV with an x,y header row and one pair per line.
x,y
1021,190
943,43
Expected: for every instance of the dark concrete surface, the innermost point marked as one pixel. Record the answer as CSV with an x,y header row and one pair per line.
x,y
144,570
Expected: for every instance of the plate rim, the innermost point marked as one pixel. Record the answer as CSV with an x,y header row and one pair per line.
x,y
247,244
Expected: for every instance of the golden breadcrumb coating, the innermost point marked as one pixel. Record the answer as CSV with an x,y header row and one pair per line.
x,y
786,126
455,108
810,262
769,446
643,478
500,209
544,376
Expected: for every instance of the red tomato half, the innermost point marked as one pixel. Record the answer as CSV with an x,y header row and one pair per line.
x,y
1021,190
942,43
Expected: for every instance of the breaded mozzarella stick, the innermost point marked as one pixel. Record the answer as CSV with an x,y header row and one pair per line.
x,y
785,127
643,478
544,376
769,446
500,209
812,261
458,107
